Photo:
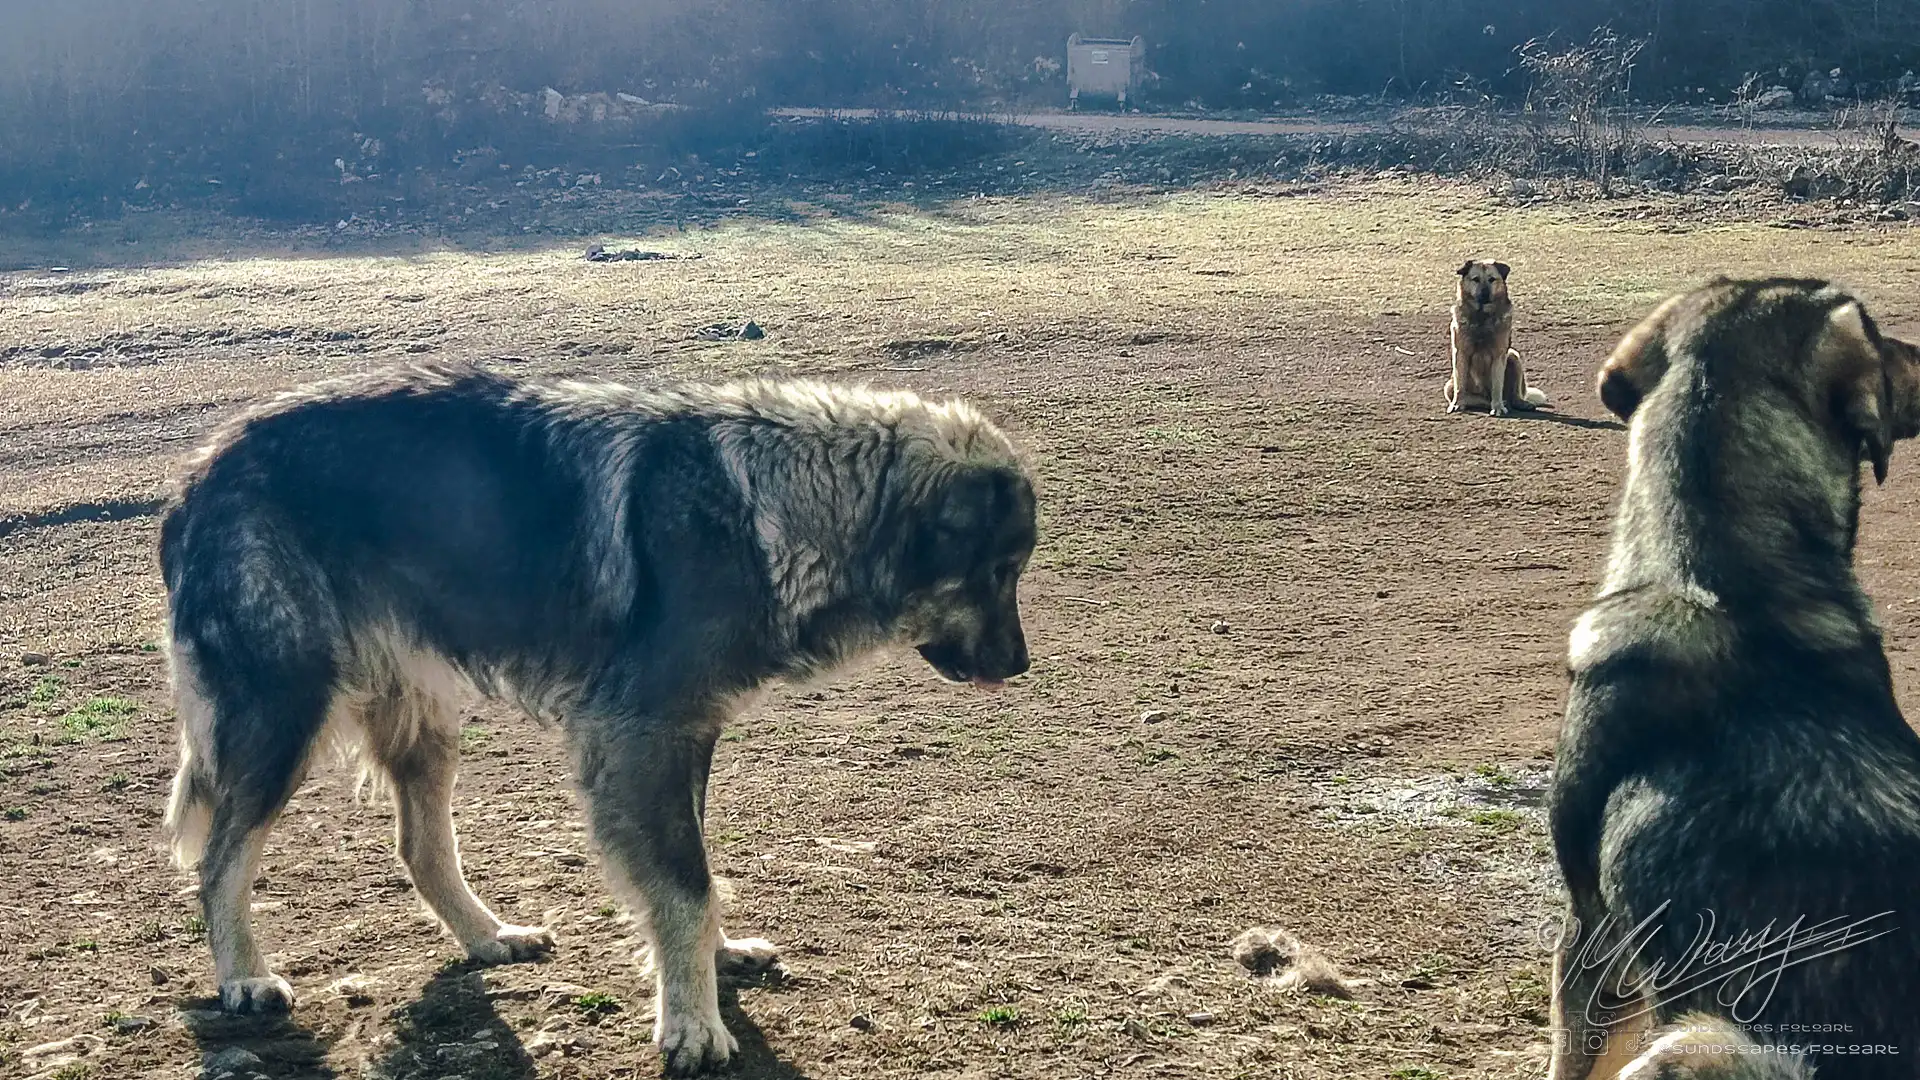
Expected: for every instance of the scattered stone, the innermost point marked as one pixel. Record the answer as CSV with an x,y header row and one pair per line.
x,y
229,1061
543,1043
1153,716
859,1022
569,858
752,331
133,1025
1220,626
77,1044
1278,957
550,1042
1817,88
848,847
1199,1019
1659,164
1773,99
355,990
596,253
161,976
502,984
35,659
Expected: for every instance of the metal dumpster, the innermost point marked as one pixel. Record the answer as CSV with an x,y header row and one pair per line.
x,y
1104,67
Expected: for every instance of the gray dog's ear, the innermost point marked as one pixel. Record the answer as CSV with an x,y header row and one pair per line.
x,y
972,502
1464,267
1637,364
955,536
1503,269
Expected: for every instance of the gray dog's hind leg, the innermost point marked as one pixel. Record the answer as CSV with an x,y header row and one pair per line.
x,y
249,793
416,740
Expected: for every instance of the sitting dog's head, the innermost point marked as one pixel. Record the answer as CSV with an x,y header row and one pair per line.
x,y
1809,344
963,575
1483,283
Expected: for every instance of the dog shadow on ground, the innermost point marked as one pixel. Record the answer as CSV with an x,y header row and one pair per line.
x,y
453,1029
1570,421
756,1059
240,1047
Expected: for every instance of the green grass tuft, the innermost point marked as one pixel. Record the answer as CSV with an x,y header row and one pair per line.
x,y
100,719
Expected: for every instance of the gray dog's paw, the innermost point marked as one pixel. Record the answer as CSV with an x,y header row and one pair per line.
x,y
254,997
514,945
750,959
691,1044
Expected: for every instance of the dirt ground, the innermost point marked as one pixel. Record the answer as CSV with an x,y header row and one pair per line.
x,y
1297,640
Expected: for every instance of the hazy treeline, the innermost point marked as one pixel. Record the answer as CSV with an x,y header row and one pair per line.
x,y
101,92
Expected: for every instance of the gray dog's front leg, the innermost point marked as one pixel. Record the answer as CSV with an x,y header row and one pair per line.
x,y
644,783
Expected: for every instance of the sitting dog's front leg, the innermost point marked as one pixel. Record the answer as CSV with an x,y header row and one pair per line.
x,y
1497,387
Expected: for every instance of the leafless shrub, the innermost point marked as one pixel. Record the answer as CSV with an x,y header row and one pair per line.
x,y
1877,162
1746,98
1590,86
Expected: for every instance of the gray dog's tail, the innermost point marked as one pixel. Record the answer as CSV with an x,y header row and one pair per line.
x,y
1701,1047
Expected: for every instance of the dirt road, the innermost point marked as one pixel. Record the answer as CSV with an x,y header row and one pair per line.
x,y
1810,131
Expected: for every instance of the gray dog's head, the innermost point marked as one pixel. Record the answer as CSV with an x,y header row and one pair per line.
x,y
962,606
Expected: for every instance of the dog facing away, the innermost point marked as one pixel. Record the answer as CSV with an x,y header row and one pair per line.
x,y
1736,799
345,562
1486,371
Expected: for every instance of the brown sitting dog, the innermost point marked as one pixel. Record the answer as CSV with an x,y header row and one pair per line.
x,y
1486,370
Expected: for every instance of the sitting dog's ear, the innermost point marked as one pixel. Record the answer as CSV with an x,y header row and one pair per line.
x,y
1637,363
1464,267
1503,270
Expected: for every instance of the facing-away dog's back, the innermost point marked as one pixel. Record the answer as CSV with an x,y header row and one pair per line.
x,y
345,562
1736,804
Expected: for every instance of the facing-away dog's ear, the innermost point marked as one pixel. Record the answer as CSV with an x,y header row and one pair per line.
x,y
1502,269
1902,365
1637,364
1849,347
1464,267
